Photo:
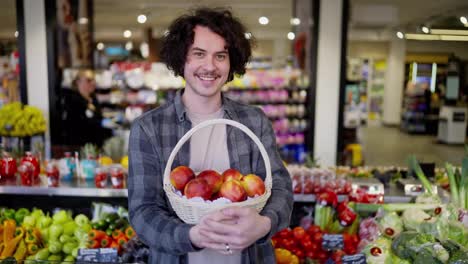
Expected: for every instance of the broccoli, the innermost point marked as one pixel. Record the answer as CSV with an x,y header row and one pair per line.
x,y
459,257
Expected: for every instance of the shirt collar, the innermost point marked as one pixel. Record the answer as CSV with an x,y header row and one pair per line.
x,y
181,112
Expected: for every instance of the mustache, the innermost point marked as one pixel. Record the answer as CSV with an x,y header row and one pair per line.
x,y
208,74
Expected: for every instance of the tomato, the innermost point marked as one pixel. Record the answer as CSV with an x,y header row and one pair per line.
x,y
316,247
274,242
307,245
283,256
298,233
317,237
313,229
285,233
298,252
337,255
311,254
288,243
322,255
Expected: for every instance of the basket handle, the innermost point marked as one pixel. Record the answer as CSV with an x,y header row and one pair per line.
x,y
211,122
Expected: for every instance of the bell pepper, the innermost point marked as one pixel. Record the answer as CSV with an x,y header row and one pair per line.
x,y
11,244
122,240
32,249
116,246
9,227
94,243
20,214
129,232
21,251
117,233
9,213
1,234
30,239
96,234
106,241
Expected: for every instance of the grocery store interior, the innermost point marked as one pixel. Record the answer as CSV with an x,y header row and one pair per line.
x,y
354,89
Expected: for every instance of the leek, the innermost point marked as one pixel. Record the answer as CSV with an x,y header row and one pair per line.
x,y
414,166
394,207
453,184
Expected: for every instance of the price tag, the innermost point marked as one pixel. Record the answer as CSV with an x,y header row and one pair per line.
x,y
332,242
354,259
101,255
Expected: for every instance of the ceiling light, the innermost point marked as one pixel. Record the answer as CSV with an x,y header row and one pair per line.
x,y
100,46
422,36
248,35
263,20
464,20
449,32
141,19
425,29
83,20
129,45
295,21
453,38
16,34
291,35
400,35
127,33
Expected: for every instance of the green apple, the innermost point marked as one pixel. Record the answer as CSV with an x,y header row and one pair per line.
x,y
55,231
60,217
69,228
29,221
81,220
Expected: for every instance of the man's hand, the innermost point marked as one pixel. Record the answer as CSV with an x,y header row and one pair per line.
x,y
236,227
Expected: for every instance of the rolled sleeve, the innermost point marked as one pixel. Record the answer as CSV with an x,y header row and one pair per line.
x,y
280,204
149,210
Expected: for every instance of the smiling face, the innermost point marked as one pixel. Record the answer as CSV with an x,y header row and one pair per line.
x,y
207,64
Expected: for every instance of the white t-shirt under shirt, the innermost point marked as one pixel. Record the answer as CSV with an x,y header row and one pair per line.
x,y
208,150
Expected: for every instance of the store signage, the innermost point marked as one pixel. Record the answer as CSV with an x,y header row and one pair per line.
x,y
332,242
354,259
100,255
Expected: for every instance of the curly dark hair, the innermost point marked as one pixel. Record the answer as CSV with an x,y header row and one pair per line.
x,y
177,41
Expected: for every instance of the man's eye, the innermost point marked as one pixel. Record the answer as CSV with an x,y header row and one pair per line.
x,y
221,57
198,54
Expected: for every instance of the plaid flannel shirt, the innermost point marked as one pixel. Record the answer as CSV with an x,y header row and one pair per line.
x,y
152,138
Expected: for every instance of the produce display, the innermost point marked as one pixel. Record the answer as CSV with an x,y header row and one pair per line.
x,y
18,120
32,236
209,185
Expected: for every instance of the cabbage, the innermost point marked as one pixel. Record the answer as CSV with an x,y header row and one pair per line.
x,y
412,219
390,225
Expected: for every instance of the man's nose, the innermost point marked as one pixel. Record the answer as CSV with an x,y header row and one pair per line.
x,y
209,64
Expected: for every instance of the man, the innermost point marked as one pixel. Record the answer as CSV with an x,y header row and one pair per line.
x,y
207,48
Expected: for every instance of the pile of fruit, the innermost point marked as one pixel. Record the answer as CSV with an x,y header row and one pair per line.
x,y
209,185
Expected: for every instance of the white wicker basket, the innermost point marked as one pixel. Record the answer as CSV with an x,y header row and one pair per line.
x,y
192,211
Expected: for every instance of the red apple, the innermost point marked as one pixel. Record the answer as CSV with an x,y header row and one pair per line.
x,y
253,185
232,174
180,176
198,188
233,191
213,178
